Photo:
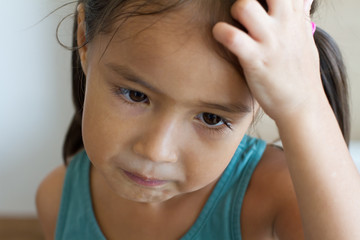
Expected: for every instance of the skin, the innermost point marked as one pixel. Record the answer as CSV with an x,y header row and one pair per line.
x,y
320,165
151,138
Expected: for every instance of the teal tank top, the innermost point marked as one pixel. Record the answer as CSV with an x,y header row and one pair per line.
x,y
219,219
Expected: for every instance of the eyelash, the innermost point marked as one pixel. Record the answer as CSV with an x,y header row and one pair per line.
x,y
123,93
216,128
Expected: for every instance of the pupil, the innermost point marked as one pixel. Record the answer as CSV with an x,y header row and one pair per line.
x,y
211,119
137,96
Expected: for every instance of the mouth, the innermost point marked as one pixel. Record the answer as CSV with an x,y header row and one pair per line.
x,y
144,181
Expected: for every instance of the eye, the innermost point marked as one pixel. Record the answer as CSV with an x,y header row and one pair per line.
x,y
133,96
213,121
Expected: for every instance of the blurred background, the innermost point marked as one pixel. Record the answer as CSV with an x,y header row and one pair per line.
x,y
35,91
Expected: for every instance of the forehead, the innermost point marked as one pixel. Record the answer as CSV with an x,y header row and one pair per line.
x,y
171,50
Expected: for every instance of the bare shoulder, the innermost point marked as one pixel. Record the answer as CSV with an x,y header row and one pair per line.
x,y
271,198
48,197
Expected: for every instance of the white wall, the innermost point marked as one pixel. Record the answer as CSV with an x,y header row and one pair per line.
x,y
35,100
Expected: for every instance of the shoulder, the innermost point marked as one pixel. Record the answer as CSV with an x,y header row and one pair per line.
x,y
48,198
271,197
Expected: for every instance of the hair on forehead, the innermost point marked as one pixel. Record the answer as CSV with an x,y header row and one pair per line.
x,y
107,17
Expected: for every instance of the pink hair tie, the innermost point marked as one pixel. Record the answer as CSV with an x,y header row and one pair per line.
x,y
313,27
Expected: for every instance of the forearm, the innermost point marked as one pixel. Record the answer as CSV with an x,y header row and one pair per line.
x,y
325,178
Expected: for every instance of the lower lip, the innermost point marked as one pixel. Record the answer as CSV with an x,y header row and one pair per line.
x,y
143,181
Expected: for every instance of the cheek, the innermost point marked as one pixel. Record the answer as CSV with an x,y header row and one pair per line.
x,y
205,162
216,155
101,129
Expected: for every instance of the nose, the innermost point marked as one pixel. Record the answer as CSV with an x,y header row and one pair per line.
x,y
158,142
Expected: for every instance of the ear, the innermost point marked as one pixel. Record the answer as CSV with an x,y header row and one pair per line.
x,y
81,36
307,6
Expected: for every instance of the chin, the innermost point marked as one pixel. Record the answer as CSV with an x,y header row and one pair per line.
x,y
136,193
143,195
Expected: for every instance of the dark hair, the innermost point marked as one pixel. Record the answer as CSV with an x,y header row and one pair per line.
x,y
100,17
334,79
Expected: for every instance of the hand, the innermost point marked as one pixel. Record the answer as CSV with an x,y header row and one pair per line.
x,y
278,54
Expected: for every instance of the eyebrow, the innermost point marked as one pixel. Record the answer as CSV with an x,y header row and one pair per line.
x,y
131,76
230,108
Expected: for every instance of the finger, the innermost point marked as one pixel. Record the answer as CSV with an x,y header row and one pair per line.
x,y
279,7
289,7
237,41
252,16
297,5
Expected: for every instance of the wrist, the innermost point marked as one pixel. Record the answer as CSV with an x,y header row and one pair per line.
x,y
306,115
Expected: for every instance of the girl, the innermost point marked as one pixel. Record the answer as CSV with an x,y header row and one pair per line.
x,y
165,92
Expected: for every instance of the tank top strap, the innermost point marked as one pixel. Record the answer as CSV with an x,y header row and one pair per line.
x,y
220,217
76,219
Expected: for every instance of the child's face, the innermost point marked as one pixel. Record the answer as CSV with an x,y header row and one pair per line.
x,y
149,124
